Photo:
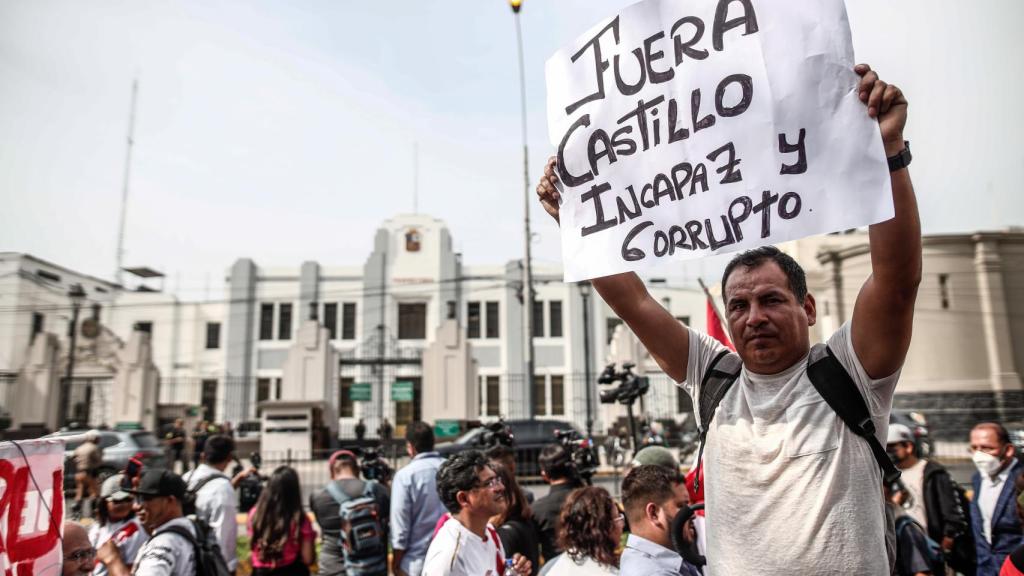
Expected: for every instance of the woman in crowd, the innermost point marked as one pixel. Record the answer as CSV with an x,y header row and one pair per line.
x,y
115,520
517,533
591,531
280,534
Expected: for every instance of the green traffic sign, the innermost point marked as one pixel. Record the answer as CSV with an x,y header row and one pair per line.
x,y
360,392
401,391
446,428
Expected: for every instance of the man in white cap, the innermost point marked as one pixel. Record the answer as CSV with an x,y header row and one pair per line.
x,y
930,496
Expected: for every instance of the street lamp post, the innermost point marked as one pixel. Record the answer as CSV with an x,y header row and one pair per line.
x,y
77,295
528,295
585,288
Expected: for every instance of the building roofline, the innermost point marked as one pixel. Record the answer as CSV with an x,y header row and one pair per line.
x,y
64,269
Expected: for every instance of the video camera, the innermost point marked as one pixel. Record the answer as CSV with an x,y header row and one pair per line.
x,y
250,487
497,434
630,385
581,452
375,467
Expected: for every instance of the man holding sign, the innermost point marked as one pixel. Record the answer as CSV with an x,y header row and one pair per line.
x,y
791,489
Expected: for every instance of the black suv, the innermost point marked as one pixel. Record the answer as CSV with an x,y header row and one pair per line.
x,y
530,438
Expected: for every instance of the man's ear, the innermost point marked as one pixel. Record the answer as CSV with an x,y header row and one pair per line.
x,y
811,309
462,498
651,511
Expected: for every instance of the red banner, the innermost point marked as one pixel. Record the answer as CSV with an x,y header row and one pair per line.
x,y
31,507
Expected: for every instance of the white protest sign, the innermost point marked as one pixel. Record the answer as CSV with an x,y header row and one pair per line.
x,y
685,129
31,507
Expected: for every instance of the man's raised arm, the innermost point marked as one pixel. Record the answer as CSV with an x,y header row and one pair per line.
x,y
883,316
663,336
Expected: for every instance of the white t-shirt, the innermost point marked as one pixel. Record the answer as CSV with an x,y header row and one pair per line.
x,y
790,489
913,479
167,554
455,551
129,535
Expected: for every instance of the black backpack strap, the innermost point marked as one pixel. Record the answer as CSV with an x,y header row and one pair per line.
x,y
203,482
723,371
834,384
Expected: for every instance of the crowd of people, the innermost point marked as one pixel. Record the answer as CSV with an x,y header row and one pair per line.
x,y
467,515
789,479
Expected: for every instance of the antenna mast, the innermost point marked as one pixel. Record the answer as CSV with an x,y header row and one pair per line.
x,y
415,176
127,177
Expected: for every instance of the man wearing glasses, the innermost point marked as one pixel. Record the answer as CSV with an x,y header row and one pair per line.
x,y
79,555
467,544
158,499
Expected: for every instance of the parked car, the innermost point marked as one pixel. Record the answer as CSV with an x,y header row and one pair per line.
x,y
118,446
918,426
530,438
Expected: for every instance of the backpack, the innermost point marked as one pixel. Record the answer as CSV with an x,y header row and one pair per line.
x,y
363,543
208,559
829,378
188,505
932,551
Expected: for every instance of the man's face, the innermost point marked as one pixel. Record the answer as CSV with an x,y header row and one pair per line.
x,y
79,555
153,511
899,451
986,440
768,324
487,498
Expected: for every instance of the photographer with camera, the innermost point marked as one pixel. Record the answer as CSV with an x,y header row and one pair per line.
x,y
558,470
346,486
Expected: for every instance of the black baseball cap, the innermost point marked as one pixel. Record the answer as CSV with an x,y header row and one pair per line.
x,y
160,482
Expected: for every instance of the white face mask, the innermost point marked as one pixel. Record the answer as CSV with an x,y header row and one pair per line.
x,y
986,463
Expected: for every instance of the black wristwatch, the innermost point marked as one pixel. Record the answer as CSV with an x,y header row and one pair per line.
x,y
902,159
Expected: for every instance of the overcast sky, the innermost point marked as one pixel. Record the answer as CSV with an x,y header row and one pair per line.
x,y
284,131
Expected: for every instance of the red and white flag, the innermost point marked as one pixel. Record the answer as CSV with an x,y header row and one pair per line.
x,y
715,329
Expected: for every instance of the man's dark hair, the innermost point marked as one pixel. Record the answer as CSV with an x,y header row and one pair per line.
x,y
459,474
345,460
556,462
758,256
645,484
218,449
1000,431
421,436
500,452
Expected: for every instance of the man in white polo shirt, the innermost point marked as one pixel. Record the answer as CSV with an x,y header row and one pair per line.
x,y
467,544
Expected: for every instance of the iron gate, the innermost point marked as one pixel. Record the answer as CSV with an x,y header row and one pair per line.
x,y
379,363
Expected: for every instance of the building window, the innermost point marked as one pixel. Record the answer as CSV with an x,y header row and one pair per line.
x,y
212,335
208,399
493,323
45,275
345,405
284,322
540,400
558,395
37,326
555,318
412,321
610,325
348,321
266,321
331,319
146,327
684,319
538,319
472,319
944,291
493,395
262,389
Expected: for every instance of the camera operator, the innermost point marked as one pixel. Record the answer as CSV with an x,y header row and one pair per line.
x,y
344,469
558,470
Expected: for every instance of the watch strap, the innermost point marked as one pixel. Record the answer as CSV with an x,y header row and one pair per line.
x,y
902,159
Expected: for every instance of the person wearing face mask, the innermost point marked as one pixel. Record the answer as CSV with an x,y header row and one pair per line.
x,y
997,528
116,521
